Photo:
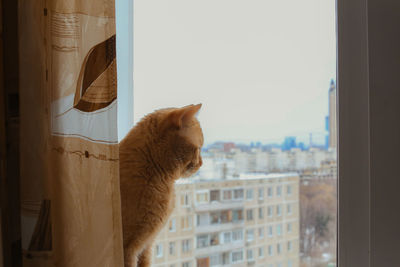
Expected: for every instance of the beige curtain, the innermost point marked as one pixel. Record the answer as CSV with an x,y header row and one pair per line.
x,y
70,202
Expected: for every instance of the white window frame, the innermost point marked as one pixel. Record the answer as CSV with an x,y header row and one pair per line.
x,y
159,251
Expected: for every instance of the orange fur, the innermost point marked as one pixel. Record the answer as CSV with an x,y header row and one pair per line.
x,y
164,146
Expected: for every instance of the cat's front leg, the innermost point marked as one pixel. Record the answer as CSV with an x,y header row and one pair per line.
x,y
130,258
145,257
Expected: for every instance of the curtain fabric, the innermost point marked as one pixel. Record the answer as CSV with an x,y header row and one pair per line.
x,y
70,201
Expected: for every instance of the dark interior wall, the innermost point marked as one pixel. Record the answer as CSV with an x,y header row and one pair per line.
x,y
384,87
10,214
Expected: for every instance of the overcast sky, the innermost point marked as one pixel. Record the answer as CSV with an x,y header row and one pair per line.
x,y
261,68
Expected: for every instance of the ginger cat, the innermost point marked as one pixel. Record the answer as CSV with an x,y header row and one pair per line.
x,y
164,146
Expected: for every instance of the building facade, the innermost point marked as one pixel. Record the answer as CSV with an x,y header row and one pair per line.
x,y
250,220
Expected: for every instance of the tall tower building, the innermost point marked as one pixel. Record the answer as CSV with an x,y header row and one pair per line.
x,y
332,115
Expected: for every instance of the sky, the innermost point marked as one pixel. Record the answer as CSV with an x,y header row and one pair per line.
x,y
261,68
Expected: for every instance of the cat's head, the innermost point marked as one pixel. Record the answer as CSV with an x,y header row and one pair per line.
x,y
182,135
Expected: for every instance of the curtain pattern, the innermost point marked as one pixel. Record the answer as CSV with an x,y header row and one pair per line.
x,y
70,202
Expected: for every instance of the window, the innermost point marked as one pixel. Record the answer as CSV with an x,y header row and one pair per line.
x,y
237,235
270,231
289,190
202,241
185,200
250,235
290,263
270,211
186,264
237,256
279,229
186,245
202,197
270,192
249,215
249,194
214,195
289,227
202,219
215,260
261,232
159,250
270,250
171,248
289,245
278,210
214,239
227,195
172,225
237,215
187,222
289,208
279,191
261,193
227,237
260,213
250,256
278,248
238,194
261,252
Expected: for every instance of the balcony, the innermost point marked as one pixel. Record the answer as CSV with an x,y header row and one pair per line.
x,y
217,205
218,227
219,249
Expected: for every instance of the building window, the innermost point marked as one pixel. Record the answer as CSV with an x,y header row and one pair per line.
x,y
214,239
202,241
202,219
238,194
289,190
261,232
270,192
250,235
237,235
270,250
171,248
250,256
159,250
227,195
279,191
215,260
279,229
214,195
237,215
289,208
202,197
249,194
172,225
185,245
289,227
289,245
289,263
249,215
279,264
278,210
227,237
185,200
270,211
261,252
270,231
187,222
278,248
186,264
260,193
260,213
237,256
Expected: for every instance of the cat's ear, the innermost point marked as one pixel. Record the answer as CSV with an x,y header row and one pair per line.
x,y
182,116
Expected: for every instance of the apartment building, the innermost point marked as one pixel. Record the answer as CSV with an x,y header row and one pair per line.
x,y
250,220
